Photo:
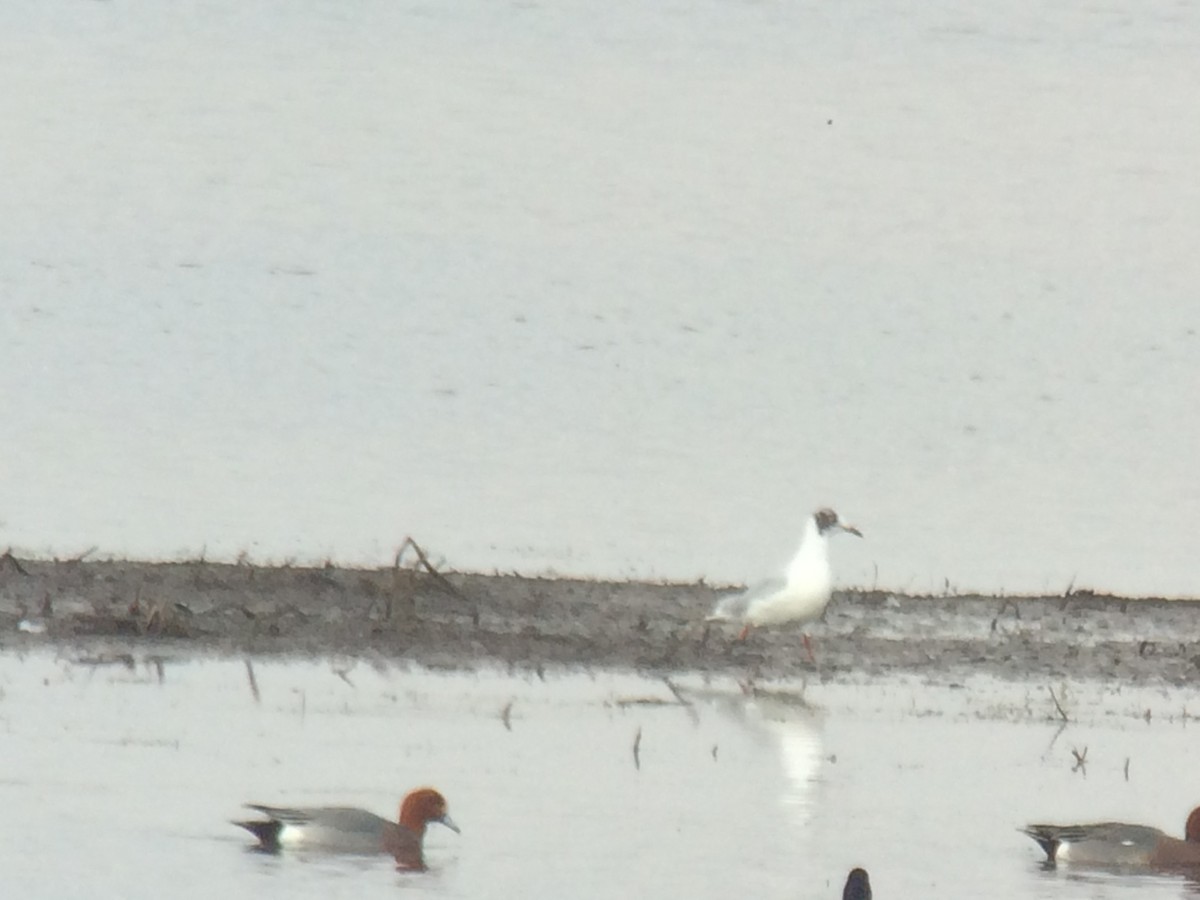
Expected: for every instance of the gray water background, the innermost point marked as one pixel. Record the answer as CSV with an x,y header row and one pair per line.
x,y
615,289
122,781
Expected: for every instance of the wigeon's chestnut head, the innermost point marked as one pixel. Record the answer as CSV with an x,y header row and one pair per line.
x,y
1119,845
1191,828
346,829
858,886
418,809
422,806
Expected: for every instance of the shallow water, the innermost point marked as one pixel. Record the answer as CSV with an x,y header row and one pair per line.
x,y
136,771
614,289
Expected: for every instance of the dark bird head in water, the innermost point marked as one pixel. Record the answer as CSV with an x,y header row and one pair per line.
x,y
858,886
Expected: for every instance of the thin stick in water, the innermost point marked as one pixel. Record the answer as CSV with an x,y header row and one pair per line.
x,y
253,682
1061,712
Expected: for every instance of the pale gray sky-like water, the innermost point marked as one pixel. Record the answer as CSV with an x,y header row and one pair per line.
x,y
778,796
606,289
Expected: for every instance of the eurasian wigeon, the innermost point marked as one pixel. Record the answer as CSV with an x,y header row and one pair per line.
x,y
1119,845
801,595
858,886
345,829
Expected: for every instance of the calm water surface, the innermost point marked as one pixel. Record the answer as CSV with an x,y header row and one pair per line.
x,y
609,289
137,778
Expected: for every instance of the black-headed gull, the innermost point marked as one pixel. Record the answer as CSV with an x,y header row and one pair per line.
x,y
801,595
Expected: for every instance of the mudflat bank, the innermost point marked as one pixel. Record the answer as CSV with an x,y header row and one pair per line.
x,y
457,620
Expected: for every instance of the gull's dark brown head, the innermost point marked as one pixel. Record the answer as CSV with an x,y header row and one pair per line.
x,y
827,523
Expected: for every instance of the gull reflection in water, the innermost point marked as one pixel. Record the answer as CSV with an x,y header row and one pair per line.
x,y
782,719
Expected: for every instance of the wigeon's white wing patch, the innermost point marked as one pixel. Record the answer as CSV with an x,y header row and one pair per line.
x,y
291,835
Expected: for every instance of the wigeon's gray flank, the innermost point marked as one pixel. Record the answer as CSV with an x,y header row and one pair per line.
x,y
345,829
1119,845
858,886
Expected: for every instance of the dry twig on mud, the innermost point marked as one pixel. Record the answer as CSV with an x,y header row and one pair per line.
x,y
9,560
1003,606
429,567
159,617
156,618
406,578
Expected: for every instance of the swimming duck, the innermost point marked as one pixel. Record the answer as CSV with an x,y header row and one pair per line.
x,y
345,829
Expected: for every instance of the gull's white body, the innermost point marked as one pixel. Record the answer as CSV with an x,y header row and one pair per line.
x,y
801,596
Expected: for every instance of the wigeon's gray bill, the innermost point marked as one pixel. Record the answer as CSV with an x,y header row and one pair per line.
x,y
1118,845
345,829
858,886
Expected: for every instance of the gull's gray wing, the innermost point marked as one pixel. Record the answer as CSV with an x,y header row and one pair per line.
x,y
733,607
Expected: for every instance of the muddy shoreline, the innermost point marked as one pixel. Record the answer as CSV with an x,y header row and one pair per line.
x,y
461,620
